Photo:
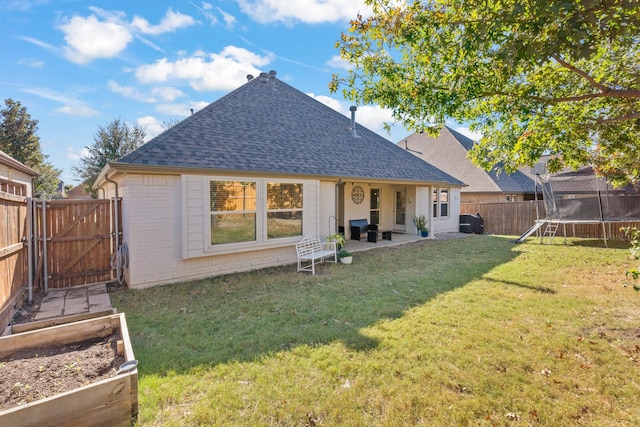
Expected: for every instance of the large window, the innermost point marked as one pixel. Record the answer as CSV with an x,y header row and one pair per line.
x,y
440,200
233,211
254,211
284,210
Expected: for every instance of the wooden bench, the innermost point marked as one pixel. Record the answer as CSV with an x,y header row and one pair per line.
x,y
311,251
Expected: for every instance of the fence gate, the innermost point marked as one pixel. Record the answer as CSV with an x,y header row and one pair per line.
x,y
74,241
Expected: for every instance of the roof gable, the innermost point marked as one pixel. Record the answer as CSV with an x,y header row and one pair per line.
x,y
268,126
448,152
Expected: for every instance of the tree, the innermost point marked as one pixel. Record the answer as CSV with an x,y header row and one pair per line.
x,y
533,77
18,139
111,142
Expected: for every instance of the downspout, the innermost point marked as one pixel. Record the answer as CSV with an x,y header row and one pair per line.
x,y
337,203
115,209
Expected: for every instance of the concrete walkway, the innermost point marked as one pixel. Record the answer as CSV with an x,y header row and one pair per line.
x,y
74,301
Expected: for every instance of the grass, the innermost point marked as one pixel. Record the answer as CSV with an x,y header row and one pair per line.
x,y
474,331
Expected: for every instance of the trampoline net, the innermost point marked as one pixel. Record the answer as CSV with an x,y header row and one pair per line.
x,y
580,196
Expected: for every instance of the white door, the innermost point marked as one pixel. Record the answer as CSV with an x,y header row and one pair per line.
x,y
399,210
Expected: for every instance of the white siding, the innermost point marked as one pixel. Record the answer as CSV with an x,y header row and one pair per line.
x,y
165,225
165,231
327,209
9,174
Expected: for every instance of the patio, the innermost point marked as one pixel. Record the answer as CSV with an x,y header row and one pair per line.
x,y
398,239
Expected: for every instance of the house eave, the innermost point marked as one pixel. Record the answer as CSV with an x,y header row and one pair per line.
x,y
114,170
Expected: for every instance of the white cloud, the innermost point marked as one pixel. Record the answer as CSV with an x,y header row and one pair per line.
x,y
167,93
105,34
224,71
151,125
129,92
30,62
40,43
170,22
88,39
74,154
72,106
181,110
370,116
337,62
306,11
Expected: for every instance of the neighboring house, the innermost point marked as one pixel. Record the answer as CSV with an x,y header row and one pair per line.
x,y
78,193
448,152
234,186
15,177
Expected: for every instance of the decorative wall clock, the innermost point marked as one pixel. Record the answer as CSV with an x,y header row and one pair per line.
x,y
357,194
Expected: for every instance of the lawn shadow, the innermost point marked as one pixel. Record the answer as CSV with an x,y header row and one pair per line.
x,y
542,289
244,316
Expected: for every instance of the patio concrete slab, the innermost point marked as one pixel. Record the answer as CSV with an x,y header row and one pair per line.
x,y
73,301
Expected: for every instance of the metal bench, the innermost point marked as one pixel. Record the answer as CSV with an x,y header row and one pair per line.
x,y
311,251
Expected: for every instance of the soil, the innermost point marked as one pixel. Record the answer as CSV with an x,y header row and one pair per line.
x,y
34,374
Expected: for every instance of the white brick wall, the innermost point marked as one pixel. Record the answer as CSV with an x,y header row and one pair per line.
x,y
165,227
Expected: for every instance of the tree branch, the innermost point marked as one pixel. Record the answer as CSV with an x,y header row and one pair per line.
x,y
630,116
605,91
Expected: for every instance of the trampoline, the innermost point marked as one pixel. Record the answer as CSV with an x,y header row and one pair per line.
x,y
580,197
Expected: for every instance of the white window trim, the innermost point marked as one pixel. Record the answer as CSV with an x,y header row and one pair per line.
x,y
261,242
439,203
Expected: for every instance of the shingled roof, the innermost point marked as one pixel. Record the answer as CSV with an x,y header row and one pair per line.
x,y
267,126
449,152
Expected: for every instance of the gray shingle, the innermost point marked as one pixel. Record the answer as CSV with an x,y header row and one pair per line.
x,y
449,152
274,128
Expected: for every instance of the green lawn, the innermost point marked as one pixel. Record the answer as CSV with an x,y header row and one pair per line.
x,y
473,331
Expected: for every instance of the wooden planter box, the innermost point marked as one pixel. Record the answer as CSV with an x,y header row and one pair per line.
x,y
109,402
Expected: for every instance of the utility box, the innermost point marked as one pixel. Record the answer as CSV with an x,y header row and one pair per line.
x,y
471,223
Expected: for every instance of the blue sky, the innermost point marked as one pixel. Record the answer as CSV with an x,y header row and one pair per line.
x,y
77,65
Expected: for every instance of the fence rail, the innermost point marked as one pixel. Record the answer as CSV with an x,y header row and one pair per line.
x,y
513,219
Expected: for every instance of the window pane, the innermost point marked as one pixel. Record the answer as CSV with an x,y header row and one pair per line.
x,y
233,228
230,196
284,196
374,217
284,224
374,202
444,202
434,198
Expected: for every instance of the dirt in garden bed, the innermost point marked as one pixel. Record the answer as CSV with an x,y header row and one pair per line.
x,y
34,374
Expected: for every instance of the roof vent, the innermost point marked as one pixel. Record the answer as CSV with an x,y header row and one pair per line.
x,y
272,78
352,127
249,77
264,77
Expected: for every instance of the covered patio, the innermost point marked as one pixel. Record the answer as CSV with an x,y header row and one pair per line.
x,y
398,239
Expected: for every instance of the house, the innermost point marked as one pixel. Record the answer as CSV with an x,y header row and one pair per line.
x,y
234,186
78,193
448,152
15,177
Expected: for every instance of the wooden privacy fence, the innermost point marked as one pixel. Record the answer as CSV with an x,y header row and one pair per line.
x,y
54,244
513,219
13,256
75,240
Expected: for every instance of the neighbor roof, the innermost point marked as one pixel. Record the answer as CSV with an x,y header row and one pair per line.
x,y
15,164
267,126
448,152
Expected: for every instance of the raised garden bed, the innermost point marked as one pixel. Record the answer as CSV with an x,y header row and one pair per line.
x,y
110,400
